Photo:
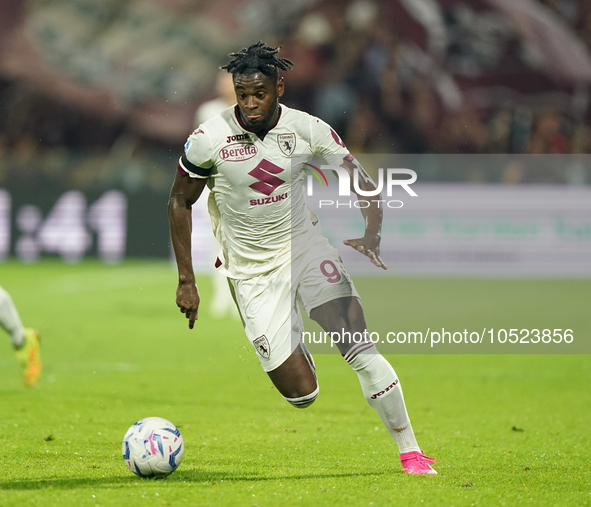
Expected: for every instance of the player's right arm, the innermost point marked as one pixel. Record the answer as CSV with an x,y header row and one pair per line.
x,y
184,193
192,172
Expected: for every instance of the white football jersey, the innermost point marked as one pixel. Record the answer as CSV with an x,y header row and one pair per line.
x,y
257,202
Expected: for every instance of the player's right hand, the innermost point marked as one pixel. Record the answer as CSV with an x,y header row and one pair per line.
x,y
187,299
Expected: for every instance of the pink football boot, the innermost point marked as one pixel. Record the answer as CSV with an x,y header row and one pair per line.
x,y
417,463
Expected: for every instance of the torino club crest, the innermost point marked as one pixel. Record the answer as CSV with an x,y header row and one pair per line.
x,y
261,344
287,143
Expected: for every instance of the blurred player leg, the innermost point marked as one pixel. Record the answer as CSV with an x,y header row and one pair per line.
x,y
10,320
25,341
379,382
29,356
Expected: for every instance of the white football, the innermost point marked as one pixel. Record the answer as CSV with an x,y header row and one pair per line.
x,y
153,447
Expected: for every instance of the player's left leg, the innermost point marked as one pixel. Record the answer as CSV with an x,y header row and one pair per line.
x,y
328,295
379,382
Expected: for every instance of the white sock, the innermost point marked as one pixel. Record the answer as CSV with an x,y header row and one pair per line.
x,y
304,401
382,390
10,320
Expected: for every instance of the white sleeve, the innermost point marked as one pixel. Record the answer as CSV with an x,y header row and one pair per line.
x,y
326,143
197,160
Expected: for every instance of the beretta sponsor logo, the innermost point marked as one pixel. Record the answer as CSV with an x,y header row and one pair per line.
x,y
238,151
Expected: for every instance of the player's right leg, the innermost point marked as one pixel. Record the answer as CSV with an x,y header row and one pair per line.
x,y
296,380
273,324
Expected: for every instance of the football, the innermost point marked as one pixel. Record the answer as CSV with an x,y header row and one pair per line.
x,y
153,447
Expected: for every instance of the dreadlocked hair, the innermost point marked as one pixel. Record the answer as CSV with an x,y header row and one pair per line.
x,y
257,58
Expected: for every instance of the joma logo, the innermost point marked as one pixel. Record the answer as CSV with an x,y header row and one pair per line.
x,y
238,137
377,395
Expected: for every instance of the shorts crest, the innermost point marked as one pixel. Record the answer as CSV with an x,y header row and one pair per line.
x,y
261,344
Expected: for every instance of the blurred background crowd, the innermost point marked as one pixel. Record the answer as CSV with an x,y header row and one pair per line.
x,y
103,94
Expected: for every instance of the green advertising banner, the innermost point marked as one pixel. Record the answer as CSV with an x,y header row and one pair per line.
x,y
72,225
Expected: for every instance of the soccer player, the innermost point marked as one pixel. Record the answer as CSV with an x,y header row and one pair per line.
x,y
273,252
24,340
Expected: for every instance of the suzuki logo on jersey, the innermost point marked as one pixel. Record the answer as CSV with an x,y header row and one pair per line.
x,y
238,151
269,200
265,172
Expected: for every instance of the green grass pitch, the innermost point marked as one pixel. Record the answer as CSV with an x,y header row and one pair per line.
x,y
506,429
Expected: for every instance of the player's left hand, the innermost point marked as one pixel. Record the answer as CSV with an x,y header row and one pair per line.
x,y
369,246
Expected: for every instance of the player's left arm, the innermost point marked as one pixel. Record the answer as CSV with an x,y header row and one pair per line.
x,y
326,143
369,244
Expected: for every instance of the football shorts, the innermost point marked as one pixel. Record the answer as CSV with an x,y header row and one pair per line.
x,y
268,302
